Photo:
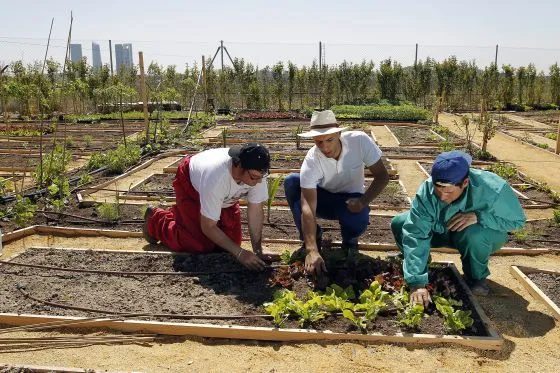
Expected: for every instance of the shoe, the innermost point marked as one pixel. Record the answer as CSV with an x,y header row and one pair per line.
x,y
479,287
149,212
300,254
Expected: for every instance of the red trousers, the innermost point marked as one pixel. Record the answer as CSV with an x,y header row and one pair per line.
x,y
179,227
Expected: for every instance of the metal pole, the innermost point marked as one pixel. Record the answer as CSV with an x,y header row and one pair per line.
x,y
144,93
111,56
558,140
496,57
320,54
222,53
416,56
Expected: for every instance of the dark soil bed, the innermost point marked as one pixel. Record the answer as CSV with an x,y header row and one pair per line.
x,y
282,226
548,283
537,234
411,136
225,289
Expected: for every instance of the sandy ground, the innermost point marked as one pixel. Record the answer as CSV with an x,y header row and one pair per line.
x,y
531,336
383,137
535,137
539,164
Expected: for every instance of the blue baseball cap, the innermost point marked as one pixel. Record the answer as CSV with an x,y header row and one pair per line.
x,y
451,168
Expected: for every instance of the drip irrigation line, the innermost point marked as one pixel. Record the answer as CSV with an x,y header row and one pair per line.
x,y
163,315
130,273
72,216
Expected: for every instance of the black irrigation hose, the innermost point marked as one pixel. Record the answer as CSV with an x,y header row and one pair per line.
x,y
129,273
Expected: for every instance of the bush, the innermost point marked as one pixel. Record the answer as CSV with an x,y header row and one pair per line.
x,y
404,112
109,211
503,170
556,214
116,160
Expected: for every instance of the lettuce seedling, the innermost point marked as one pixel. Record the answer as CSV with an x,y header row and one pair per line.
x,y
454,320
280,308
360,321
412,316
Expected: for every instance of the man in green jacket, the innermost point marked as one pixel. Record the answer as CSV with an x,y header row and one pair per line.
x,y
468,209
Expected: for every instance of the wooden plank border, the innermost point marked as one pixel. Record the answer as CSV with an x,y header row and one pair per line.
x,y
519,272
492,342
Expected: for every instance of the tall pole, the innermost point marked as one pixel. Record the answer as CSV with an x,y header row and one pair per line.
x,y
144,93
204,84
320,55
558,140
111,56
222,53
496,57
416,56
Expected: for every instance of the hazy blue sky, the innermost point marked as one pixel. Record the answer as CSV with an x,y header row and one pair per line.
x,y
179,32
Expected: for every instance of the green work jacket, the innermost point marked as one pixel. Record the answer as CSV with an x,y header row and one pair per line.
x,y
488,195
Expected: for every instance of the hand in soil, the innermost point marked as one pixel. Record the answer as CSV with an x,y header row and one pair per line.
x,y
251,260
461,220
420,296
314,263
355,205
270,257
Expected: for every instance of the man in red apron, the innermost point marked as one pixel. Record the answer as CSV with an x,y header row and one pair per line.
x,y
206,216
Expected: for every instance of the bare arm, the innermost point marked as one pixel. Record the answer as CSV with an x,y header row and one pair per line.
x,y
314,263
210,228
380,180
308,220
255,218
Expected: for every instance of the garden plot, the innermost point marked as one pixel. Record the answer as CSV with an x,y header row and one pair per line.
x,y
550,118
543,140
413,136
542,284
229,301
281,227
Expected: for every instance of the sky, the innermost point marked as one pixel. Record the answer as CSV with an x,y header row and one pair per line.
x,y
263,33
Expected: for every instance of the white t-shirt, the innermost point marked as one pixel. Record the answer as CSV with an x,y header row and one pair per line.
x,y
345,175
210,173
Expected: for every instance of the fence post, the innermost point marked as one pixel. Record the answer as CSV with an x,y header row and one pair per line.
x,y
144,94
558,139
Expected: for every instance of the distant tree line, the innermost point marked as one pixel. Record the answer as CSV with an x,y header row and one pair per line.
x,y
451,84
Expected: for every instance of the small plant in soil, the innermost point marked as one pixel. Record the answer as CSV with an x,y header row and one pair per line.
x,y
296,131
22,211
556,217
108,212
455,320
273,185
87,140
503,170
412,316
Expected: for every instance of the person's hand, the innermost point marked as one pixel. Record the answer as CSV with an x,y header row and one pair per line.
x,y
355,205
461,220
420,296
314,263
250,260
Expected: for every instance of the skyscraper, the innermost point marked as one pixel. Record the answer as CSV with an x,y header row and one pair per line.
x,y
96,56
75,52
123,55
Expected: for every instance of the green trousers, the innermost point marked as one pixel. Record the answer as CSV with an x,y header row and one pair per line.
x,y
475,244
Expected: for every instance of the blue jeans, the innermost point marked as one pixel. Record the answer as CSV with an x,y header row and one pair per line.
x,y
330,206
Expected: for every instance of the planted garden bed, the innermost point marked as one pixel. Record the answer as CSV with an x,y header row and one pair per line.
x,y
414,136
218,291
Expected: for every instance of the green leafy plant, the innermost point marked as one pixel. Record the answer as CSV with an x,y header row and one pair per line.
x,y
542,146
286,257
23,211
401,299
455,320
116,160
552,136
273,185
359,321
6,186
87,140
309,311
109,211
556,216
224,137
412,316
296,131
503,170
280,307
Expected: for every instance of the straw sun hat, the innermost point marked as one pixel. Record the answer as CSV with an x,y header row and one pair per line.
x,y
322,123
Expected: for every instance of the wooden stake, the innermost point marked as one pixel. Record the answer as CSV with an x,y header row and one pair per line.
x,y
144,93
558,139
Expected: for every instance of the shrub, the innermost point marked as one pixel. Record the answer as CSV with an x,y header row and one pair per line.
x,y
556,214
116,160
405,112
503,170
109,211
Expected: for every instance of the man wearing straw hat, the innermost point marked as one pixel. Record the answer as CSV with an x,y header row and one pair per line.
x,y
330,185
468,209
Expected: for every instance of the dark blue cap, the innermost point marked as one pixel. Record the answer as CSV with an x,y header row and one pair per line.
x,y
451,167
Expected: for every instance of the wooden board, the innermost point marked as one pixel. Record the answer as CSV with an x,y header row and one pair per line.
x,y
519,272
492,342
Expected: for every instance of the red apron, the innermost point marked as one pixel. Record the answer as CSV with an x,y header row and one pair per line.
x,y
179,227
